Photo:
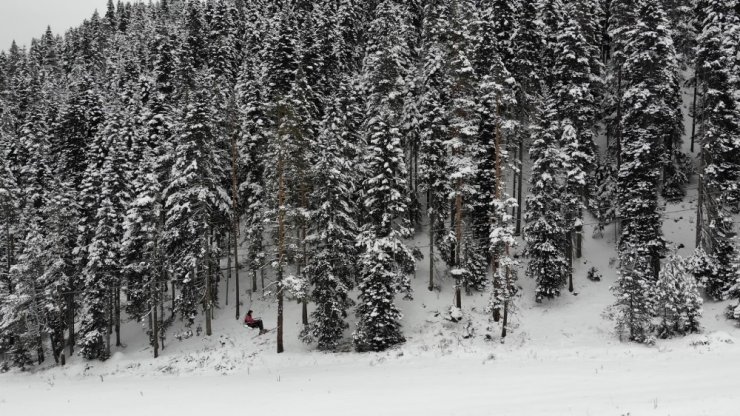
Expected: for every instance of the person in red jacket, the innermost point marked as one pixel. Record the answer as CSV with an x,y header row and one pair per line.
x,y
254,323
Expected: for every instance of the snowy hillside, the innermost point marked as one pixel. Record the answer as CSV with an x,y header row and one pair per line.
x,y
434,207
561,358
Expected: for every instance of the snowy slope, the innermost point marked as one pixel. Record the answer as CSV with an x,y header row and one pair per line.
x,y
560,359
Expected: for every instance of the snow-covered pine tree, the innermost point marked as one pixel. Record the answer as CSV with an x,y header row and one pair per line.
x,y
463,120
23,323
678,302
544,230
659,74
193,52
526,68
720,147
251,145
503,20
634,309
550,12
494,95
576,108
333,231
386,259
290,147
433,157
590,16
650,81
78,123
622,19
194,198
102,272
141,246
503,288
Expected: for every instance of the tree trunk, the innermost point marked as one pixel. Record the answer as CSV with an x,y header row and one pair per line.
x,y
498,186
569,257
693,111
506,320
71,321
619,120
431,251
208,303
109,315
281,248
520,185
162,289
228,267
458,240
304,260
515,181
579,241
235,214
155,322
117,313
9,258
235,247
700,207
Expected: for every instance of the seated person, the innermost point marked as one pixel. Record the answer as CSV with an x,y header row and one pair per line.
x,y
254,323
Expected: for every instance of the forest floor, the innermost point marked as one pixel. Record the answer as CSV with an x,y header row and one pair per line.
x,y
561,357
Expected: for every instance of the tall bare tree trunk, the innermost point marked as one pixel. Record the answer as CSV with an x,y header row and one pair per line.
x,y
694,110
700,206
208,303
154,320
71,321
228,267
281,248
431,250
619,120
117,313
520,185
498,185
569,255
109,314
304,301
458,238
515,181
235,222
162,289
254,280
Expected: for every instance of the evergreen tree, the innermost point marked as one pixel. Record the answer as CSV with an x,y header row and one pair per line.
x,y
386,260
576,107
634,307
719,134
102,272
677,298
194,198
545,228
331,269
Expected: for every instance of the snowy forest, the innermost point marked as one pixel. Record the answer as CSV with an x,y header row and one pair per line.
x,y
159,155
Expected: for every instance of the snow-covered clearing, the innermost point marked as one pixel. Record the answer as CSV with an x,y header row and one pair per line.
x,y
689,381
